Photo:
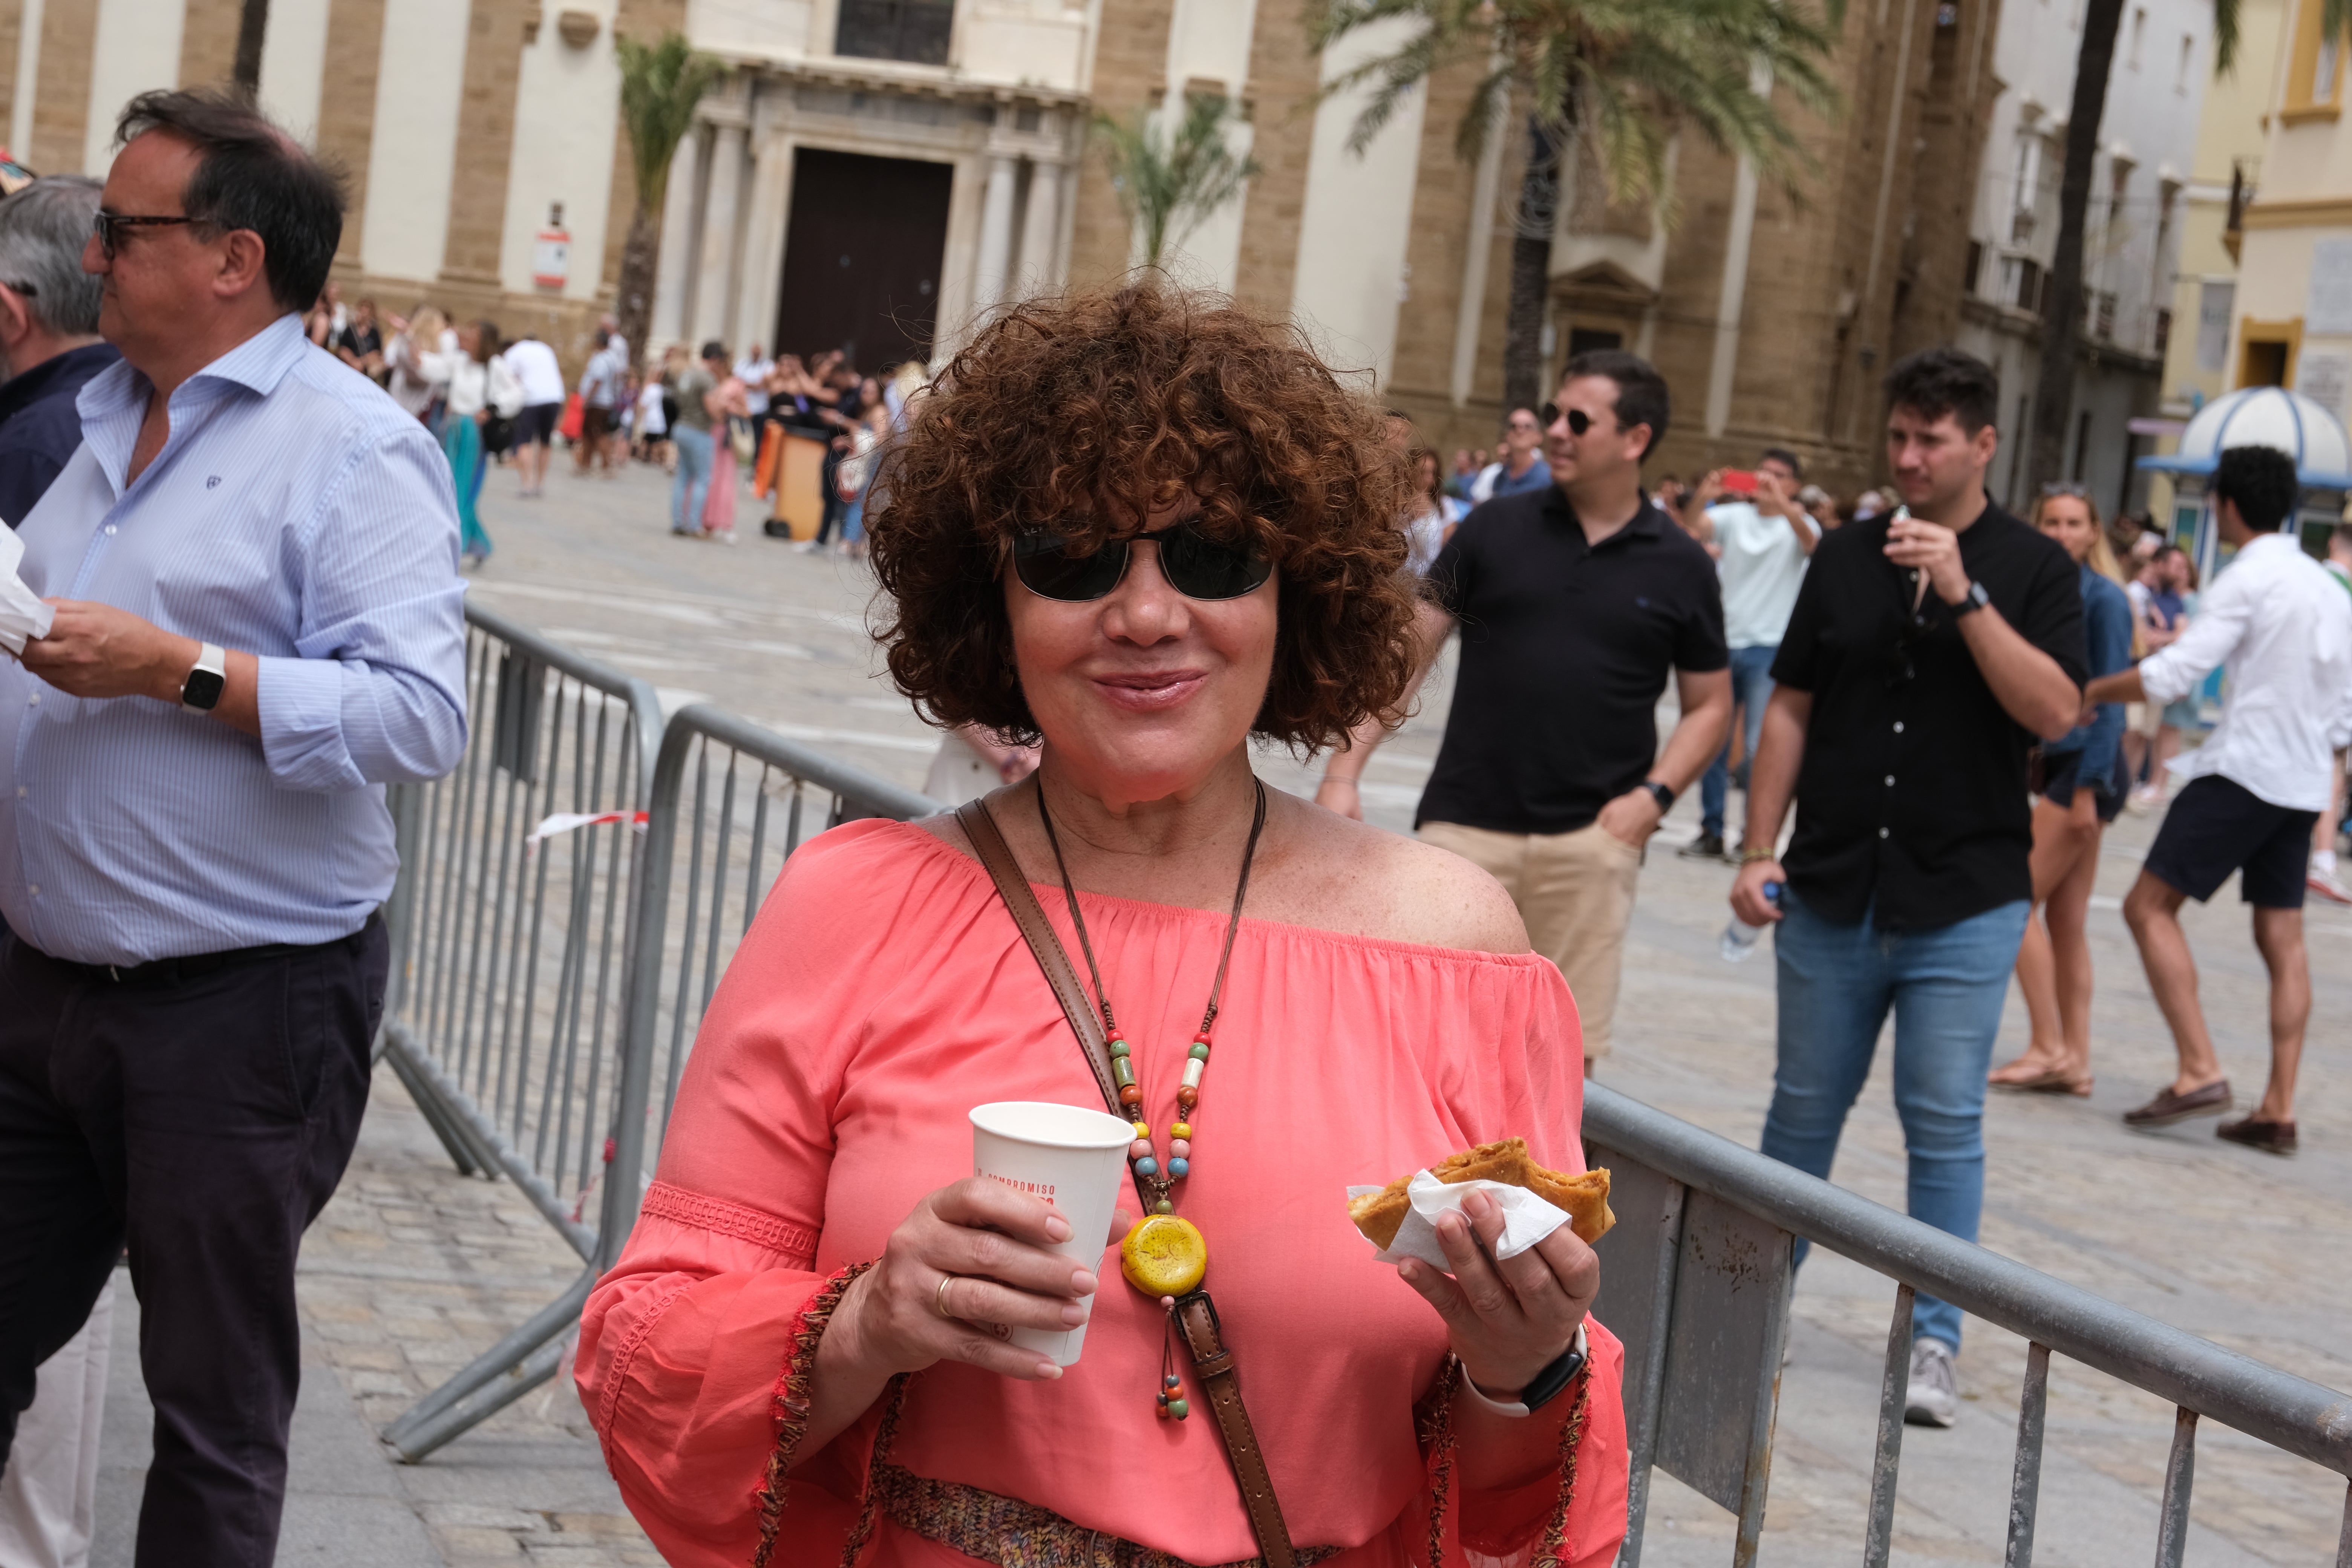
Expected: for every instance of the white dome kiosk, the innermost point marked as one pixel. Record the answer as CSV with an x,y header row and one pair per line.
x,y
2259,417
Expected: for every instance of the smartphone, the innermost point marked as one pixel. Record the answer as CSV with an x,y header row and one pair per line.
x,y
1739,482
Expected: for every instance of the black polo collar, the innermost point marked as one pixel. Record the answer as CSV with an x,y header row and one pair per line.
x,y
1645,523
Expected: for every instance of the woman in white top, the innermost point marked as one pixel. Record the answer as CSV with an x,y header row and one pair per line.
x,y
478,380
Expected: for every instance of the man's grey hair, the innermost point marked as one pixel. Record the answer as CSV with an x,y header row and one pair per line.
x,y
43,229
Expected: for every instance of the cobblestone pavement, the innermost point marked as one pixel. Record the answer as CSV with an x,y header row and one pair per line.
x,y
414,1270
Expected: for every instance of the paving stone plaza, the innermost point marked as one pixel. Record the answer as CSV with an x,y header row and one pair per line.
x,y
414,1270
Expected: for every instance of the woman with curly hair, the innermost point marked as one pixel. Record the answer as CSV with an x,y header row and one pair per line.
x,y
1146,529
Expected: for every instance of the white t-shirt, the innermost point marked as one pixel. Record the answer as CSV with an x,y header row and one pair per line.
x,y
652,420
754,373
1762,565
534,365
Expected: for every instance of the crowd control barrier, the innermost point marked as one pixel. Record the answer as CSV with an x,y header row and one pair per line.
x,y
554,952
1696,1280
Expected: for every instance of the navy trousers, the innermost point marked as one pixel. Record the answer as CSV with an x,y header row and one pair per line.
x,y
201,1117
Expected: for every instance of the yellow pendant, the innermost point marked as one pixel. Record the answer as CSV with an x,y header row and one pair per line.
x,y
1164,1256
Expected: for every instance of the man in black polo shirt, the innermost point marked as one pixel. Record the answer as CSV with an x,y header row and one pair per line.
x,y
1923,656
1574,601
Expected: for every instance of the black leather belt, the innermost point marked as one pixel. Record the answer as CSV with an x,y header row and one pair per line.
x,y
162,971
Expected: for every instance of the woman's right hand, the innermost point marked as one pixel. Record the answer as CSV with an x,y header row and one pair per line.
x,y
991,1246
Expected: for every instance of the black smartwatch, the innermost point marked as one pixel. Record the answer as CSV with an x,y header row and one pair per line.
x,y
1553,1380
1977,599
1664,795
201,688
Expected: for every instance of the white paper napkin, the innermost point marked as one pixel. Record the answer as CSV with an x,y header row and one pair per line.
x,y
1527,1218
22,614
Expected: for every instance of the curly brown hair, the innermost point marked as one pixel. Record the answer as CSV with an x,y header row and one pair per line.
x,y
1078,416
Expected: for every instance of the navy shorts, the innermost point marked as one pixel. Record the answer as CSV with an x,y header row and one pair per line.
x,y
2062,776
2216,826
535,425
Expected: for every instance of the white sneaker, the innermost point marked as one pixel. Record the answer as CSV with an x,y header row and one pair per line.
x,y
1934,1398
2325,883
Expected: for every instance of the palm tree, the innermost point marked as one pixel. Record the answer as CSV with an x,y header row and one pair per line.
x,y
660,85
2061,306
1624,75
1168,185
252,28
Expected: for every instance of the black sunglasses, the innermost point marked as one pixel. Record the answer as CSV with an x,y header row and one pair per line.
x,y
107,225
1578,421
1195,565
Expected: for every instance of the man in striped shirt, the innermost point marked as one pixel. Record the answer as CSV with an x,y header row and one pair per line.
x,y
252,558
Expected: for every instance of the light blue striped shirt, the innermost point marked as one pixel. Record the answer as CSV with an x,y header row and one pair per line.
x,y
297,514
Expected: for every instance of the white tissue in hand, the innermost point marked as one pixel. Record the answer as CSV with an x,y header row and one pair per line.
x,y
1527,1218
22,614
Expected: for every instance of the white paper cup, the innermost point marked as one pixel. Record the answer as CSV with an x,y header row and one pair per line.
x,y
1074,1158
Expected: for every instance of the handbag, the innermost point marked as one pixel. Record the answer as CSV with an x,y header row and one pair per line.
x,y
575,417
1196,1314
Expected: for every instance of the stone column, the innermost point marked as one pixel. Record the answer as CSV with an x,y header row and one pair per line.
x,y
994,271
710,319
1041,228
671,277
763,242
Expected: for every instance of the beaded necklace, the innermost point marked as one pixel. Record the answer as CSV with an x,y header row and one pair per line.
x,y
1163,1255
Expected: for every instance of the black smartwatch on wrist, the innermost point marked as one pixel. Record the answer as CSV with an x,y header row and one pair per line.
x,y
1976,599
1664,795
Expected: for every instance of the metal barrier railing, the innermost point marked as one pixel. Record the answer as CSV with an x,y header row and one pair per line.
x,y
744,799
510,945
1697,1278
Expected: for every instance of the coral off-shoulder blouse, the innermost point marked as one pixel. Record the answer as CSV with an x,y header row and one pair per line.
x,y
884,992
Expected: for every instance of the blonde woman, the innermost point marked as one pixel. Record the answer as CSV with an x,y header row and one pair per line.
x,y
2082,787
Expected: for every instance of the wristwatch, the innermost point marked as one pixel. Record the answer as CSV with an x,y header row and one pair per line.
x,y
1977,599
1664,795
1546,1387
201,688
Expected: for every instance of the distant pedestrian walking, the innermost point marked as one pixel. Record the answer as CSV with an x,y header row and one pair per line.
x,y
2082,788
267,628
2283,628
691,436
479,384
542,379
599,390
1925,653
1763,538
1576,603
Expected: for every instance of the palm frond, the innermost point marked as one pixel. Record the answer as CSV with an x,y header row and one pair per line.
x,y
1169,184
661,83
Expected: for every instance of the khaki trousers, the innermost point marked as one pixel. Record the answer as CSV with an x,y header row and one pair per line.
x,y
1575,891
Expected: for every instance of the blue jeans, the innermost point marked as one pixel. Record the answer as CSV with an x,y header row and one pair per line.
x,y
692,486
1946,986
1751,688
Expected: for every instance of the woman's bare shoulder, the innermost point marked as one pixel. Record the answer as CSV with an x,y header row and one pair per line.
x,y
1362,880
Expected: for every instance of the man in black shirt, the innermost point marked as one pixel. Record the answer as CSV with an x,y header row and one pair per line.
x,y
1925,655
48,335
1574,601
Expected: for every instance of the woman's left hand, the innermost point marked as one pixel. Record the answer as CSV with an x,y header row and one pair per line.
x,y
1508,1320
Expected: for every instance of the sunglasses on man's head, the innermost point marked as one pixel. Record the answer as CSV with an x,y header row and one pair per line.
x,y
1578,421
2068,488
1195,565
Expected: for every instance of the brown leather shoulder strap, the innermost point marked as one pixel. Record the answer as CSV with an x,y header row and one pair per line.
x,y
1021,900
1196,1314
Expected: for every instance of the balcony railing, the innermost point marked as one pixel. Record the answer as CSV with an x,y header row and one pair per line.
x,y
916,31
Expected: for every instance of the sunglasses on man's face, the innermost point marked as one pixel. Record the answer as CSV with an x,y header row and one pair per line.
x,y
112,227
1195,565
1578,421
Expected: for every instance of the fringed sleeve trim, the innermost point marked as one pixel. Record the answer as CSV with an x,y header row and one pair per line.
x,y
792,1405
1439,1443
1571,1439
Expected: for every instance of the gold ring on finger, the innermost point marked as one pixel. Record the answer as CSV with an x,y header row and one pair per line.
x,y
940,1297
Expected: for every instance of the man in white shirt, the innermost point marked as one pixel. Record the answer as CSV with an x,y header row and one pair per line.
x,y
2283,628
754,370
1519,468
1761,548
533,363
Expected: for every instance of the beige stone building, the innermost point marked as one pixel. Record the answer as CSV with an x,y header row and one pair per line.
x,y
878,172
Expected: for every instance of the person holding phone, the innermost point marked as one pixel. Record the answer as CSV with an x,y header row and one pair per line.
x,y
1761,539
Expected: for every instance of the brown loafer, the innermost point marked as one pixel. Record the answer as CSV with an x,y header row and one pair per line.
x,y
2270,1137
2169,1108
